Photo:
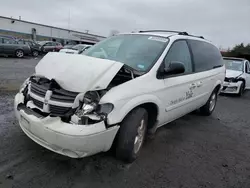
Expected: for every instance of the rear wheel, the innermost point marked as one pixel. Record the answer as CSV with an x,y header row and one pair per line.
x,y
19,53
35,53
209,107
131,135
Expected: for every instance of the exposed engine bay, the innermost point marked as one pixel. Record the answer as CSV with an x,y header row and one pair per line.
x,y
47,98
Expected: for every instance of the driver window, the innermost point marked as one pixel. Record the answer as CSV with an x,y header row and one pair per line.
x,y
179,52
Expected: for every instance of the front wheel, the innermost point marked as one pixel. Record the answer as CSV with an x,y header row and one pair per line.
x,y
209,107
131,135
241,91
19,53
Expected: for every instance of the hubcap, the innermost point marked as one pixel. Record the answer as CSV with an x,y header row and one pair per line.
x,y
140,136
19,54
212,102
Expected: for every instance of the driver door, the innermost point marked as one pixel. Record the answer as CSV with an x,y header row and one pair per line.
x,y
180,91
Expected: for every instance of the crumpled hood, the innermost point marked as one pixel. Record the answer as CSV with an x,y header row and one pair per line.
x,y
232,73
78,73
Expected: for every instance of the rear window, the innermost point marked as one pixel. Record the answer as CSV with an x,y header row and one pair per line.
x,y
206,56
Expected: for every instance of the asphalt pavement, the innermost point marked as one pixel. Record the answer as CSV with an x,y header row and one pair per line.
x,y
191,152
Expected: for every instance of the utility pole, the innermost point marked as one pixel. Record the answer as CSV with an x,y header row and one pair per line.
x,y
69,20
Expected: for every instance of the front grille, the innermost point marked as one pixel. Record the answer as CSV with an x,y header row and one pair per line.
x,y
62,95
37,89
36,102
229,79
59,110
224,87
40,87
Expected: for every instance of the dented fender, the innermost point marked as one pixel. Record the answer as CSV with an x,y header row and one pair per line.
x,y
123,107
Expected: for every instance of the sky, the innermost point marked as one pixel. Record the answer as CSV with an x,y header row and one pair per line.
x,y
224,22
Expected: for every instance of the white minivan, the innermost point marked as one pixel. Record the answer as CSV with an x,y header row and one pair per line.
x,y
120,90
237,78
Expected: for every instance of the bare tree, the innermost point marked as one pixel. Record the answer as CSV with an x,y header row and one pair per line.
x,y
113,32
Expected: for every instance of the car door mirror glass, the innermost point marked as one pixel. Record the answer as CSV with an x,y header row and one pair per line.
x,y
174,67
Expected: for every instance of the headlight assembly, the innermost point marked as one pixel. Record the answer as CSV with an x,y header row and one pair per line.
x,y
105,108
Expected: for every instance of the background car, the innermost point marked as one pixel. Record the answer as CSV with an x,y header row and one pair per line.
x,y
50,46
35,47
237,76
79,48
68,46
10,46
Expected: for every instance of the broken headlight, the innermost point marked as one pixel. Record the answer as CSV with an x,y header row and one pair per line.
x,y
93,108
90,105
86,109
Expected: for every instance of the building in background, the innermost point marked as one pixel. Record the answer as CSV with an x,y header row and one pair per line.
x,y
28,30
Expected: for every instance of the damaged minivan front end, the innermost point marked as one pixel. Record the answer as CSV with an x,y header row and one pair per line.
x,y
60,107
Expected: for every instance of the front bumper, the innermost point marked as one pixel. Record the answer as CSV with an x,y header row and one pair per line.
x,y
71,140
231,87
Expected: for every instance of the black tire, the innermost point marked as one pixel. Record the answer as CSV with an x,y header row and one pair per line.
x,y
19,53
208,109
35,53
126,149
241,91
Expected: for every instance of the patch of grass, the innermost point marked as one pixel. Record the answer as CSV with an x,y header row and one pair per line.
x,y
10,87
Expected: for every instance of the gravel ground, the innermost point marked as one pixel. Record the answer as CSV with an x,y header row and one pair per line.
x,y
14,71
191,152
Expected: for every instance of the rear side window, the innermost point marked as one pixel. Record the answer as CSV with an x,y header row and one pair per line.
x,y
8,41
206,56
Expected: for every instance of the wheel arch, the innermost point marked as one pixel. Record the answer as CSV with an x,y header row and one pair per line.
x,y
217,86
148,102
243,80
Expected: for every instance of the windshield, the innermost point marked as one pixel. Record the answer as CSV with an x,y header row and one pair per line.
x,y
232,64
139,52
78,47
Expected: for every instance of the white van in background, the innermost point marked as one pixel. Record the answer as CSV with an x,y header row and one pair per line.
x,y
79,48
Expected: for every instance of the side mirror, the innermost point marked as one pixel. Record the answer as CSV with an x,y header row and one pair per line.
x,y
174,67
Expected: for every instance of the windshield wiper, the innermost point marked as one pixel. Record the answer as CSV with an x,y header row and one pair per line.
x,y
133,71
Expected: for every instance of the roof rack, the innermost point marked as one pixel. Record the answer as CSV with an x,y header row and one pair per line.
x,y
167,31
171,31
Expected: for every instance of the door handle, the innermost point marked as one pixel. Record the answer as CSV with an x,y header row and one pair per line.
x,y
199,84
192,86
